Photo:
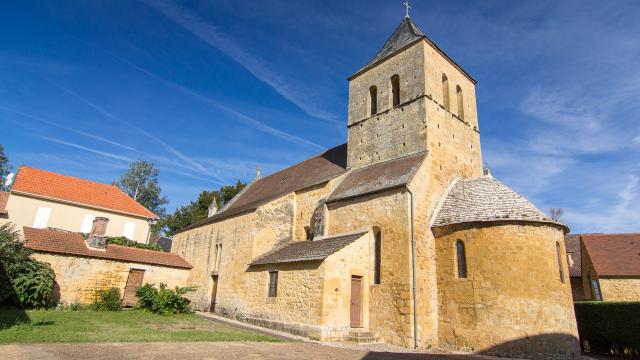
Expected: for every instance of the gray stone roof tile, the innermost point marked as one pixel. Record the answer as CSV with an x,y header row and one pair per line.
x,y
485,199
308,250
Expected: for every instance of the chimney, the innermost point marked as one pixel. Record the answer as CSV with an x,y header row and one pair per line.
x,y
258,172
213,207
96,238
486,171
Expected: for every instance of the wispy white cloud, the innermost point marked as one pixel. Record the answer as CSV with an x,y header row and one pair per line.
x,y
59,126
210,34
251,121
195,166
84,148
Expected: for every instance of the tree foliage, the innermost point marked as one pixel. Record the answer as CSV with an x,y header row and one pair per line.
x,y
5,168
198,209
24,282
108,300
141,183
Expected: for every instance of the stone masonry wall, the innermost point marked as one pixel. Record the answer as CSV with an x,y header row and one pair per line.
x,y
79,278
620,289
390,301
391,132
297,306
512,302
356,259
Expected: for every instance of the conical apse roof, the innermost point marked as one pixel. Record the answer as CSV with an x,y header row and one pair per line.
x,y
486,199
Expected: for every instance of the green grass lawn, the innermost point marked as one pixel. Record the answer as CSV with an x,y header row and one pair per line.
x,y
49,326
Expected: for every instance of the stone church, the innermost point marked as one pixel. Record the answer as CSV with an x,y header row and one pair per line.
x,y
396,236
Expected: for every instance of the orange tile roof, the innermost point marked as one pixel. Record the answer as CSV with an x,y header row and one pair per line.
x,y
614,254
72,243
47,184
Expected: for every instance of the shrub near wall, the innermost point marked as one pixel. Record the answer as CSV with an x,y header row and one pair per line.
x,y
609,327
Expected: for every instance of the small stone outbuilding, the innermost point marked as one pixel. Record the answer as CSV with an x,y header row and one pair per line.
x,y
83,267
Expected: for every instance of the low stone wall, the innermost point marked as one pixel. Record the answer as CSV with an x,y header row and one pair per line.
x,y
79,278
620,289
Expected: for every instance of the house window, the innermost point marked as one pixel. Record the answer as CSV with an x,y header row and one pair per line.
x,y
373,100
216,260
559,262
377,235
461,257
460,102
129,230
395,90
87,224
595,290
445,92
273,283
42,217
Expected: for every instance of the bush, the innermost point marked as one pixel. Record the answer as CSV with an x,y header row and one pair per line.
x,y
609,327
108,300
123,241
24,282
163,301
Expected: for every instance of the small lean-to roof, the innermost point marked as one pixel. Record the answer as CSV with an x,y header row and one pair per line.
x,y
70,189
316,170
614,254
378,177
72,243
572,244
485,199
315,250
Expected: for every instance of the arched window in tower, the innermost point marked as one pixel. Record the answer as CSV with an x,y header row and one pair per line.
x,y
559,262
395,90
460,102
445,92
461,257
377,235
373,100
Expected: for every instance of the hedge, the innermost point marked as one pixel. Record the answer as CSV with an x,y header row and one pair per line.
x,y
609,327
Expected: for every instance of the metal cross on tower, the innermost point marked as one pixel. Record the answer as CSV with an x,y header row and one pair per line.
x,y
406,4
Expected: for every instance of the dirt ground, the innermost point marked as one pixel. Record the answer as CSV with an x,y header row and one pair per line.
x,y
206,350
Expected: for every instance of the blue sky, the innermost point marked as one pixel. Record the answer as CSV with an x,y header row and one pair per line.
x,y
208,90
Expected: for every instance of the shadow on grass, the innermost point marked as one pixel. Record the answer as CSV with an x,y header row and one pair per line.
x,y
12,317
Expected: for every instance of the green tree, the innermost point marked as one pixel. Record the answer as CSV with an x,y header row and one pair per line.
x,y
5,168
198,210
141,183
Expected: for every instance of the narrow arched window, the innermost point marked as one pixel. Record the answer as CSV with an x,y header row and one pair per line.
x,y
395,90
373,100
460,102
559,262
461,257
445,92
377,235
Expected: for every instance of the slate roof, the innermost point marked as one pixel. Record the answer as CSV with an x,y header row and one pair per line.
x,y
406,34
308,250
572,244
378,177
614,254
70,189
72,243
485,199
4,197
316,170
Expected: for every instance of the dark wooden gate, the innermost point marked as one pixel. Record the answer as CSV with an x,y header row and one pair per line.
x,y
356,301
214,290
134,281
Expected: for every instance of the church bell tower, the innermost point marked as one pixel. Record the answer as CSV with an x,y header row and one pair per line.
x,y
410,98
